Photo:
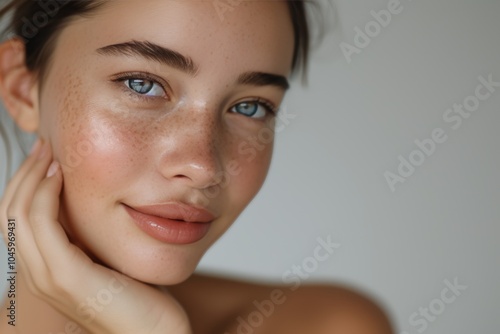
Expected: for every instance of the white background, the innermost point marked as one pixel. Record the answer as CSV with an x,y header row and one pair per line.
x,y
351,124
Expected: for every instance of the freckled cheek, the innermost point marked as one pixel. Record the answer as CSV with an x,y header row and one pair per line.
x,y
99,156
250,169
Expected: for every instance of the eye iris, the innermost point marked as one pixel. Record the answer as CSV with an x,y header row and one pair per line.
x,y
141,86
247,108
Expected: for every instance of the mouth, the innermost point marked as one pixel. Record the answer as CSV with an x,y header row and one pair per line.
x,y
172,223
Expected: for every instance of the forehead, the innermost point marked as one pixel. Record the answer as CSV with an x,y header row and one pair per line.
x,y
254,35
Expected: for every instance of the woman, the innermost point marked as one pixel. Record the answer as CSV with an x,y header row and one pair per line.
x,y
155,122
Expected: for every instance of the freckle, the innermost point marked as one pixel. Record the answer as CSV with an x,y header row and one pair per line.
x,y
72,99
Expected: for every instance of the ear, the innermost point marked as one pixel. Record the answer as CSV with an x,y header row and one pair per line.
x,y
18,89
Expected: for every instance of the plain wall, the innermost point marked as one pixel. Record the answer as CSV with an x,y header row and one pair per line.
x,y
402,246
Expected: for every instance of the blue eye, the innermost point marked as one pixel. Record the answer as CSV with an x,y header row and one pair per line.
x,y
145,87
255,109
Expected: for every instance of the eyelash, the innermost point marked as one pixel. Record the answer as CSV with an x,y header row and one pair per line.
x,y
121,78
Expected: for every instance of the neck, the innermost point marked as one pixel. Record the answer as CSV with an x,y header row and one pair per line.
x,y
32,315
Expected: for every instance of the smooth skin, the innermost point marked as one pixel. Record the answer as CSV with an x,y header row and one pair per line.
x,y
115,146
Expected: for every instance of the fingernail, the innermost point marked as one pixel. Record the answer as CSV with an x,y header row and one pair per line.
x,y
53,168
36,146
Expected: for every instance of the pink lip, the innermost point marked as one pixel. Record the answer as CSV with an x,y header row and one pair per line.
x,y
172,223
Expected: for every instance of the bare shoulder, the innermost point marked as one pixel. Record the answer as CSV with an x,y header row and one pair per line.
x,y
224,305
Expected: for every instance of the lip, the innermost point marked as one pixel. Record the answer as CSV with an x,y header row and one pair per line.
x,y
174,223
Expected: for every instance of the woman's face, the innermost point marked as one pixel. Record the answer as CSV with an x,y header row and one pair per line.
x,y
134,126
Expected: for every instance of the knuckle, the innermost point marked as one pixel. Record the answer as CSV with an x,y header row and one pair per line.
x,y
58,282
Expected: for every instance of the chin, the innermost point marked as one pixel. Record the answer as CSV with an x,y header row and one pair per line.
x,y
170,278
160,272
159,266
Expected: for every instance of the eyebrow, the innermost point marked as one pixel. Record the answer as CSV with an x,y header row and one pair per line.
x,y
263,79
163,55
151,51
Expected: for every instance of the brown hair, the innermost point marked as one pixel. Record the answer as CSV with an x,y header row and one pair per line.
x,y
38,23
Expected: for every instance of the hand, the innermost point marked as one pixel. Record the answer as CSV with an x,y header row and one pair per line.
x,y
62,275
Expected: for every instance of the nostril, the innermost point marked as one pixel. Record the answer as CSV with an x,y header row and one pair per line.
x,y
180,176
192,164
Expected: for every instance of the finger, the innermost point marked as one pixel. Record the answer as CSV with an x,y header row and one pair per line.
x,y
45,209
30,272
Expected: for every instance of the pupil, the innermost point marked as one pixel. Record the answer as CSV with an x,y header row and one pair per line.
x,y
141,86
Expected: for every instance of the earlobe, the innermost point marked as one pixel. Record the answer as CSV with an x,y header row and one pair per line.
x,y
17,86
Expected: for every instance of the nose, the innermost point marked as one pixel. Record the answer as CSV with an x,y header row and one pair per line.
x,y
191,149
